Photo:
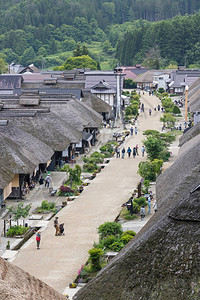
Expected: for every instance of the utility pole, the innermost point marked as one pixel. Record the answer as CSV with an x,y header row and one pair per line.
x,y
186,101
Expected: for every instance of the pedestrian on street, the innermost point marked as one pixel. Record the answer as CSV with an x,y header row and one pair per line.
x,y
47,181
129,152
118,152
131,130
150,111
123,152
136,149
56,226
155,107
142,150
158,107
41,181
149,204
135,130
38,239
143,107
134,152
155,207
142,212
180,127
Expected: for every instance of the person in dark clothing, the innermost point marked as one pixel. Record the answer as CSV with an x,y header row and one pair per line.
x,y
62,229
134,152
129,152
123,152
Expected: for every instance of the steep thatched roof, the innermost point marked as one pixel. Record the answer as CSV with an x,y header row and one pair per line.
x,y
46,127
6,176
145,77
41,151
96,103
15,157
94,119
163,259
190,134
17,284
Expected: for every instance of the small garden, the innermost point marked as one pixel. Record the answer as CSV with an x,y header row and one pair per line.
x,y
132,208
132,109
46,207
111,238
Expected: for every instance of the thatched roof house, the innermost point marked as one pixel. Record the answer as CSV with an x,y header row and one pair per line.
x,y
6,176
96,103
163,259
17,284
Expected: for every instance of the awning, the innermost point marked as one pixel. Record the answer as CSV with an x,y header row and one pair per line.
x,y
87,136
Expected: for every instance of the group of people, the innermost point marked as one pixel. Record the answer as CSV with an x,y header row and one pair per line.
x,y
131,130
134,152
47,181
142,210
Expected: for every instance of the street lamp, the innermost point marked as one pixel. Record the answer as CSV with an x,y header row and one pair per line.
x,y
186,101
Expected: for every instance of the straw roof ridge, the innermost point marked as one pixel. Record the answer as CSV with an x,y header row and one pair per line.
x,y
145,77
41,151
96,103
190,134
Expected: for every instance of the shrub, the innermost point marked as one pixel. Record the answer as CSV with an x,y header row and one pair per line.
x,y
90,167
136,207
126,238
126,215
16,230
161,90
129,232
141,201
108,241
65,191
109,228
95,255
116,246
176,110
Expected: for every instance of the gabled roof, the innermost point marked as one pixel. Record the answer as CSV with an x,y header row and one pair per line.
x,y
96,103
145,78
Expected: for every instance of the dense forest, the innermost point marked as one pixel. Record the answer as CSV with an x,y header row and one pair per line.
x,y
34,30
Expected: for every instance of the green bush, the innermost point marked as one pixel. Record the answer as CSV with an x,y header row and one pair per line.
x,y
126,215
109,228
46,206
129,232
95,255
140,201
108,241
176,110
116,246
126,238
16,230
90,167
136,207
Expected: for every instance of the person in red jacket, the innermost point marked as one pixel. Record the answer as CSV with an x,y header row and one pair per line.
x,y
38,239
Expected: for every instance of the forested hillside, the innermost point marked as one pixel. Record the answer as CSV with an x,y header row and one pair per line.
x,y
48,30
176,40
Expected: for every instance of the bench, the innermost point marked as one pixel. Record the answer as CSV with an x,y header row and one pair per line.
x,y
53,192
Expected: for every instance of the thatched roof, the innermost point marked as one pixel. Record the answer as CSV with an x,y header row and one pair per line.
x,y
41,151
145,77
190,134
93,118
46,127
6,176
18,284
96,103
162,261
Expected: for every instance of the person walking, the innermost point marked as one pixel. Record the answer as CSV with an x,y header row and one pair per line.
x,y
38,239
129,152
158,107
56,226
131,130
123,152
118,152
136,149
41,181
150,111
149,204
154,107
142,212
47,181
155,206
142,150
134,152
135,130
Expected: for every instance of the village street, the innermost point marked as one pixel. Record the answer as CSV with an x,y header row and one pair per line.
x,y
60,257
